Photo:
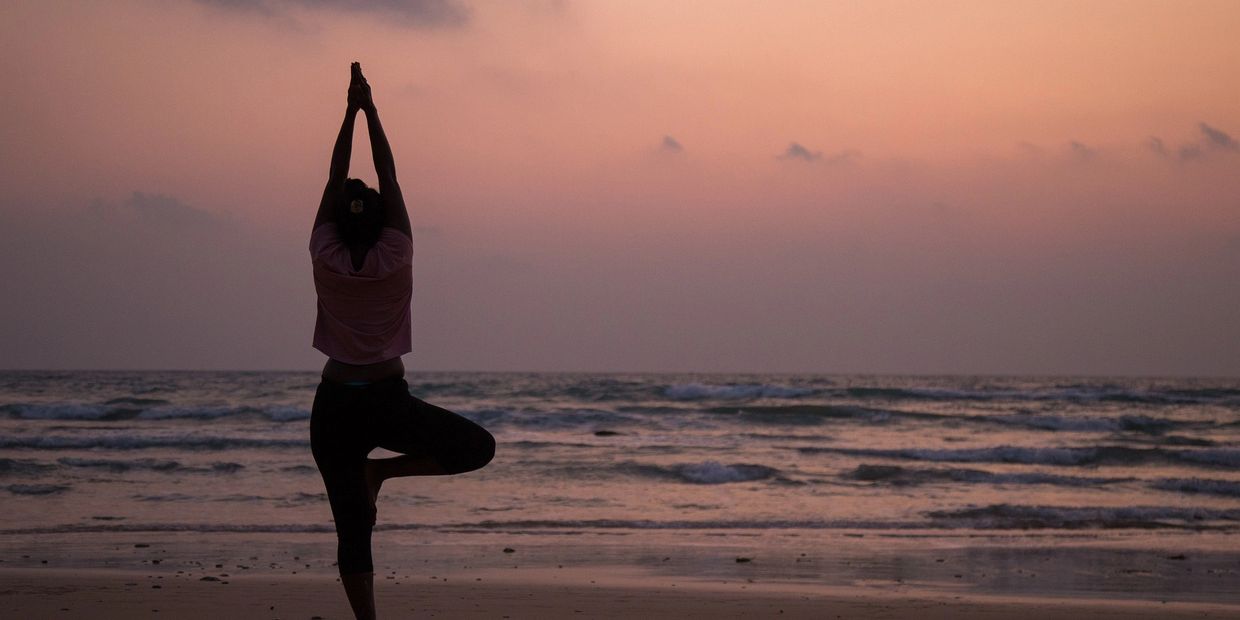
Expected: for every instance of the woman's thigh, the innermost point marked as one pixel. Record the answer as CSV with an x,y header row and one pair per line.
x,y
339,441
418,428
338,426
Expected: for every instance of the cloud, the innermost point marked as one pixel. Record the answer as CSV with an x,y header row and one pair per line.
x,y
163,212
670,145
796,151
1029,149
841,158
1192,151
1218,138
1082,151
410,13
149,281
1189,152
1156,146
844,157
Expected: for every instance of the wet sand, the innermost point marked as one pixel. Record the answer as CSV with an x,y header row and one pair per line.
x,y
596,593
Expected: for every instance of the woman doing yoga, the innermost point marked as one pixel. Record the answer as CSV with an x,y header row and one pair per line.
x,y
361,250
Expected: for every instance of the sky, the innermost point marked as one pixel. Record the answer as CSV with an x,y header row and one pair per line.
x,y
728,186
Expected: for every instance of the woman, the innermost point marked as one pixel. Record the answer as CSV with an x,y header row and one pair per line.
x,y
361,251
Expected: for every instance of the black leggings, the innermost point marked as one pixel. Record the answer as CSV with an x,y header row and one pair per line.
x,y
348,421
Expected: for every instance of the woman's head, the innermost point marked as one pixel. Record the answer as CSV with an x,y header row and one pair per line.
x,y
359,216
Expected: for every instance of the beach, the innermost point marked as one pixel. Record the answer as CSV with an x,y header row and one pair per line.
x,y
498,575
53,593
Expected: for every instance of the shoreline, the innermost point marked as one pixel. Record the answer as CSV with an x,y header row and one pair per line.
x,y
538,593
1143,570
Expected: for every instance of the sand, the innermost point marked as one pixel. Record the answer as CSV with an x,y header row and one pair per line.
x,y
535,594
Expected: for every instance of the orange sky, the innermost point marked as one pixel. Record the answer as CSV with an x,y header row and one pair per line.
x,y
978,189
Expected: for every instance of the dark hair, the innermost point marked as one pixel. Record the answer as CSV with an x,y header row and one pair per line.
x,y
359,215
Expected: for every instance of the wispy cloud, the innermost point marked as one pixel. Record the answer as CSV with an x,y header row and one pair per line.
x,y
846,156
796,151
165,212
1157,147
409,13
1214,139
130,274
1082,151
670,145
1218,138
1187,152
1190,152
1028,149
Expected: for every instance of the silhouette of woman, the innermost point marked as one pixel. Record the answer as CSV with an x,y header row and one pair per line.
x,y
361,250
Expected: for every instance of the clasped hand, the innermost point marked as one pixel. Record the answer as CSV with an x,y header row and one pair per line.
x,y
359,90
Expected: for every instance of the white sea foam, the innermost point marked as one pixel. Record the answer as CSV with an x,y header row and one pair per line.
x,y
36,489
1074,394
139,442
150,410
57,411
1008,516
902,476
1091,455
996,454
707,472
713,472
701,391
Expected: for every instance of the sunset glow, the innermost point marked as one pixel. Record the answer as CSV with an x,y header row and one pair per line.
x,y
938,187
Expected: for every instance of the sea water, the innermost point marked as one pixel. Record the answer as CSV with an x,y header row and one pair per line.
x,y
626,459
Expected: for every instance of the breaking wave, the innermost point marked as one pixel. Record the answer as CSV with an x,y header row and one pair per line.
x,y
1099,455
902,476
708,472
1010,516
36,489
146,409
703,391
1077,393
1225,488
140,442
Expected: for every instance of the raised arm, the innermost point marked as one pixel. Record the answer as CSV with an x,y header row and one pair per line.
x,y
395,214
339,170
343,150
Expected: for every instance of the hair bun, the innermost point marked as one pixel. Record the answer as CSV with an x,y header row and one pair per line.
x,y
356,206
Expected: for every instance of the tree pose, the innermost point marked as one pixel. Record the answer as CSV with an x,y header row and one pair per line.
x,y
361,250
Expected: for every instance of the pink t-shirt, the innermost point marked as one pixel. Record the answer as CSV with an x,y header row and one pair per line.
x,y
363,314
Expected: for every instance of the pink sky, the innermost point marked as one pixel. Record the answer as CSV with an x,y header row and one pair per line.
x,y
976,187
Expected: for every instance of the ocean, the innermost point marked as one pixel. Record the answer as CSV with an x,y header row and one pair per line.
x,y
626,467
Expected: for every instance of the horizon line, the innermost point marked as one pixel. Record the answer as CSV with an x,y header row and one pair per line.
x,y
658,372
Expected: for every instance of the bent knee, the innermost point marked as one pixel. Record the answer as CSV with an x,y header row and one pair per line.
x,y
480,451
487,451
